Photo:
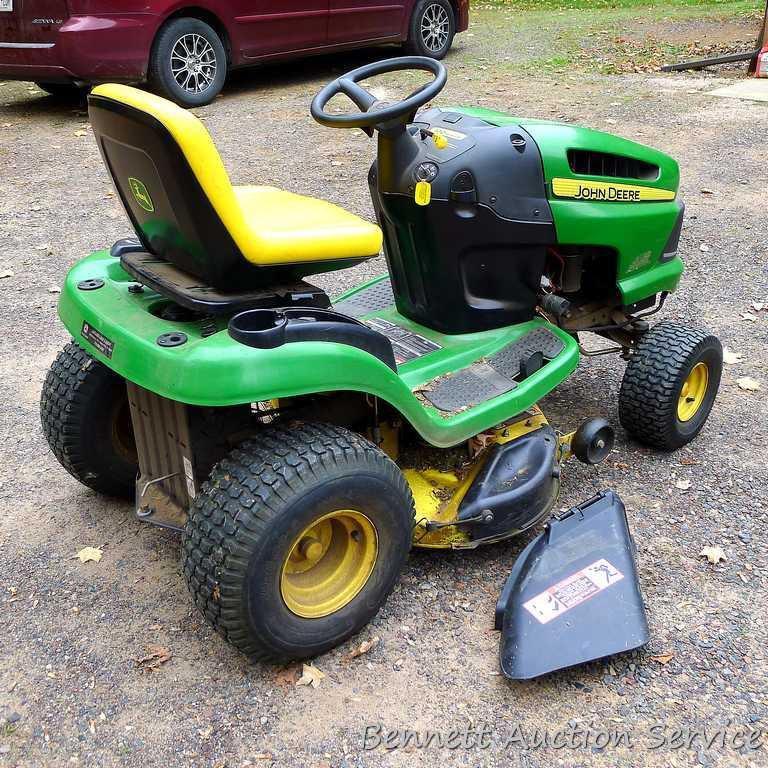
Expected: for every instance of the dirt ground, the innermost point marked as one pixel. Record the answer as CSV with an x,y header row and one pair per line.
x,y
70,689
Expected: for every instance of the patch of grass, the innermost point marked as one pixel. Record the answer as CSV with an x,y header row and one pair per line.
x,y
597,5
611,36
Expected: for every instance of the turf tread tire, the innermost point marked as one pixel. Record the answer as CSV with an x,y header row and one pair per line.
x,y
77,389
244,497
652,381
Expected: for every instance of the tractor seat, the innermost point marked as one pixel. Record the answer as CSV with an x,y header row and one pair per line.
x,y
177,193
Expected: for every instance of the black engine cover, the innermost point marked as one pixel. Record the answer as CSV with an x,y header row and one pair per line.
x,y
472,258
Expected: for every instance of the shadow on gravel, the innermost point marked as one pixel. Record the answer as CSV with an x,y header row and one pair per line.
x,y
43,106
298,71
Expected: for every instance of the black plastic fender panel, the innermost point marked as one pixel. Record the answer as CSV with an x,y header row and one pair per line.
x,y
573,595
519,484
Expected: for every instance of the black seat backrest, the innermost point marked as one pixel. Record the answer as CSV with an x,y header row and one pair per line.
x,y
178,211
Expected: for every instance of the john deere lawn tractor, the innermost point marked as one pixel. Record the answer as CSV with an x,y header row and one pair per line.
x,y
302,444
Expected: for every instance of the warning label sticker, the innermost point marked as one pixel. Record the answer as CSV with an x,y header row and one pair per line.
x,y
98,339
573,590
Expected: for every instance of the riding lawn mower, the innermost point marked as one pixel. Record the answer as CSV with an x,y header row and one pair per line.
x,y
301,444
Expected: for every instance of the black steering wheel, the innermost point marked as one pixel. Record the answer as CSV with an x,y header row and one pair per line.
x,y
349,85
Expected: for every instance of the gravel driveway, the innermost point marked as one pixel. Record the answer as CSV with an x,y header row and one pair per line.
x,y
71,692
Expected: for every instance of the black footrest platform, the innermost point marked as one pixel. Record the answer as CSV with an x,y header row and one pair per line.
x,y
496,375
186,290
374,298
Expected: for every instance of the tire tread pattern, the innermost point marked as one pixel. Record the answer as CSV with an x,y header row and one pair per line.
x,y
648,394
245,493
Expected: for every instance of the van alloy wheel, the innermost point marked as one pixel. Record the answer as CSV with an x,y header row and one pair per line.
x,y
193,63
435,27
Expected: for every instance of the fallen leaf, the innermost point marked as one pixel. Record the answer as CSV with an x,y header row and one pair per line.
x,y
263,756
310,675
687,461
704,248
706,191
156,655
89,554
748,384
729,358
713,554
662,658
364,647
683,485
6,273
54,289
81,133
286,677
749,317
758,306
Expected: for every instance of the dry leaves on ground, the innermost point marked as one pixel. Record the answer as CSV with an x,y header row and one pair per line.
x,y
713,554
729,357
155,656
683,485
662,658
286,677
364,647
748,384
310,675
89,554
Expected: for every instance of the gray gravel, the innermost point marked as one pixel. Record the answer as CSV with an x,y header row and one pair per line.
x,y
70,692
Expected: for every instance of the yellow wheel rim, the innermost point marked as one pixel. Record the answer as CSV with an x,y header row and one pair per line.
x,y
693,392
329,563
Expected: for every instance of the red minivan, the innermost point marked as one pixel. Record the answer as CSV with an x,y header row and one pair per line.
x,y
185,50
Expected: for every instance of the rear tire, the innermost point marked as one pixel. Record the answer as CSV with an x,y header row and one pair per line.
x,y
188,63
655,404
432,29
253,522
86,420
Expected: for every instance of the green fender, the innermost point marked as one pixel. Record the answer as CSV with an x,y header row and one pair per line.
x,y
215,370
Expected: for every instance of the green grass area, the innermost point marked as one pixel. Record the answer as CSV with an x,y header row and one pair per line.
x,y
611,36
596,5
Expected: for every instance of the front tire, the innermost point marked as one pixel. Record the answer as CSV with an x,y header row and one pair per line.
x,y
296,540
188,63
432,29
670,385
87,422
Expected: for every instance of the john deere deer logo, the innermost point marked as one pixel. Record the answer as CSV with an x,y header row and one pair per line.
x,y
141,195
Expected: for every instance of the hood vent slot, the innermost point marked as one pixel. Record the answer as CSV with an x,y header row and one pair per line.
x,y
589,163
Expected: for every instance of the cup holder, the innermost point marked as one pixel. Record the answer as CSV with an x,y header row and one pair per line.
x,y
262,328
271,328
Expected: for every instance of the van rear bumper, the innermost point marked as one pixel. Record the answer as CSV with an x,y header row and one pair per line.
x,y
109,47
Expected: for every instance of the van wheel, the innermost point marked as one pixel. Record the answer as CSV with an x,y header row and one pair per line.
x,y
433,26
188,63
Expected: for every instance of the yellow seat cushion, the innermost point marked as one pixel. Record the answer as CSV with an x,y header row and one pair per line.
x,y
285,227
268,225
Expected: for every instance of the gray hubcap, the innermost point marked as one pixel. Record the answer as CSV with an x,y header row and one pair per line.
x,y
434,27
193,63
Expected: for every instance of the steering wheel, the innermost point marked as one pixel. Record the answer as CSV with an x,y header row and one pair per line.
x,y
349,85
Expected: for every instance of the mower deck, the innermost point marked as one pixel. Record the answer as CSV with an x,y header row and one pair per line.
x,y
450,388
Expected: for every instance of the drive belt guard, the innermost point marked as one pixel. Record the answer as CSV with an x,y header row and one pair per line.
x,y
573,594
